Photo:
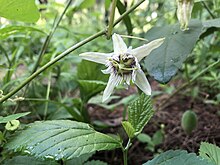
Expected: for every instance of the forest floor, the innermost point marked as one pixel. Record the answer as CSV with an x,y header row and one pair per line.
x,y
207,130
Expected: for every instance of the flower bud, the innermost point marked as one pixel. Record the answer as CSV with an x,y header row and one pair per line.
x,y
184,10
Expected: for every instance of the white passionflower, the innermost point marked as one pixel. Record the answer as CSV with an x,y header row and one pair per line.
x,y
123,64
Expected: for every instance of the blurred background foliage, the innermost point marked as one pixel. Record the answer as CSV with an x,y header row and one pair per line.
x,y
55,93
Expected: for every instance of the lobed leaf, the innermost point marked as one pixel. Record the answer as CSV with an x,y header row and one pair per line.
x,y
60,139
179,157
164,62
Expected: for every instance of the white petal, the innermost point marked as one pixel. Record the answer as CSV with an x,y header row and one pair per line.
x,y
108,70
96,57
145,50
118,44
113,81
142,82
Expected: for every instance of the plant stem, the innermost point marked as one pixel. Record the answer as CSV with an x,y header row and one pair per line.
x,y
207,8
44,48
49,36
65,53
47,95
163,104
125,152
112,17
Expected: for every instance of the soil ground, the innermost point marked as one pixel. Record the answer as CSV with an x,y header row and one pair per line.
x,y
207,130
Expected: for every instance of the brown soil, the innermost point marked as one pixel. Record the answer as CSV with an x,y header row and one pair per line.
x,y
208,129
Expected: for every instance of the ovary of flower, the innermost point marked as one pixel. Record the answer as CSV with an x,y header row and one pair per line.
x,y
123,64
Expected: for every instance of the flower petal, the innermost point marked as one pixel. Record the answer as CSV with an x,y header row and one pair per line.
x,y
145,50
142,82
96,57
118,44
113,81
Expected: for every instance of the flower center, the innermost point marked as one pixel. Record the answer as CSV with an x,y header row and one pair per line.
x,y
125,64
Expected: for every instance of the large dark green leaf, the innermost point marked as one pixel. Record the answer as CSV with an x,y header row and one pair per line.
x,y
164,62
210,152
177,157
23,160
140,112
60,139
126,19
11,30
19,10
212,23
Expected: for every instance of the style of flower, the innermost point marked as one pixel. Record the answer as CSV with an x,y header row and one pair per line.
x,y
184,11
123,64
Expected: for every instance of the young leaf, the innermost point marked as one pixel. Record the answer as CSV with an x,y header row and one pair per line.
x,y
164,62
210,152
12,117
60,139
11,30
19,10
128,129
140,112
178,157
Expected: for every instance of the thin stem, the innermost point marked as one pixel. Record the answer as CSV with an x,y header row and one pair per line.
x,y
112,17
128,12
207,8
163,104
49,36
125,152
47,95
65,53
44,47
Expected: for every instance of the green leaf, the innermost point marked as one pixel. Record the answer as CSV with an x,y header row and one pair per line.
x,y
60,139
177,157
89,88
95,162
11,30
128,129
126,19
164,62
91,79
12,117
212,23
144,138
79,160
19,10
22,160
210,152
87,70
158,137
140,112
